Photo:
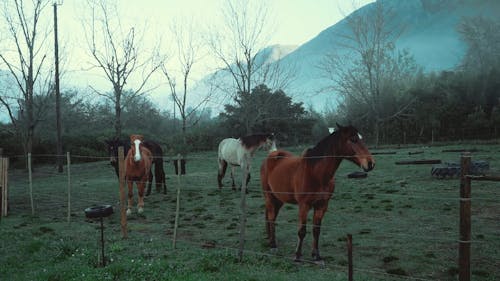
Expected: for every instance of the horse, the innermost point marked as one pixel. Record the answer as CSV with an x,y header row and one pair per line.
x,y
137,169
157,151
239,152
308,181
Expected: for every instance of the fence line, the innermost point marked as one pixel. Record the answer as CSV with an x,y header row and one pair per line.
x,y
243,220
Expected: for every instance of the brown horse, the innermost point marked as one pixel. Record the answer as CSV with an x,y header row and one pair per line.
x,y
308,180
137,169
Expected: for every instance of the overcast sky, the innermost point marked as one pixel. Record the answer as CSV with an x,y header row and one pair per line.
x,y
294,23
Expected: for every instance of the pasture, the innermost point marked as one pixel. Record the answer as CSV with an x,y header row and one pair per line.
x,y
403,221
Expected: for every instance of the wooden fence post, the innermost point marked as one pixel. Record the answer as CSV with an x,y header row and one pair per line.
x,y
178,202
177,206
464,241
4,186
243,217
30,177
121,177
68,165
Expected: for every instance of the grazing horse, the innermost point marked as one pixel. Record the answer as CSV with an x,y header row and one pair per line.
x,y
157,152
137,169
308,180
239,152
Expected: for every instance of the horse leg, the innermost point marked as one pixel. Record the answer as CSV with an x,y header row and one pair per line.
x,y
303,210
273,206
160,177
222,171
150,182
140,204
233,185
130,185
317,218
157,179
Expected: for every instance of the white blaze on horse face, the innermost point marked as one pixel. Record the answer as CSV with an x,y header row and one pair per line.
x,y
360,136
137,156
273,147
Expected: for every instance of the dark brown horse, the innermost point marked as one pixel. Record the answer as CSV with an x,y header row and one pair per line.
x,y
308,180
137,169
156,150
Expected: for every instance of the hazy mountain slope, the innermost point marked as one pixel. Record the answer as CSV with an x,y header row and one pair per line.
x,y
430,34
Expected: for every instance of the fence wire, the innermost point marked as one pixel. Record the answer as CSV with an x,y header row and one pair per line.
x,y
83,194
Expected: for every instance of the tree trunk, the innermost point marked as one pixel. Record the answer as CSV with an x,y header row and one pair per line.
x,y
118,117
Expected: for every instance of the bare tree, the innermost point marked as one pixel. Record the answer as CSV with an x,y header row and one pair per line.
x,y
25,64
238,44
188,52
482,58
370,74
117,52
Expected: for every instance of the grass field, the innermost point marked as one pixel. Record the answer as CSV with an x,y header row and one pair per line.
x,y
403,221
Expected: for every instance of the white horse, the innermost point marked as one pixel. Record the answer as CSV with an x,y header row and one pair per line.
x,y
239,152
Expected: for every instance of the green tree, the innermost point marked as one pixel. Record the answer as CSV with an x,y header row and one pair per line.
x,y
265,111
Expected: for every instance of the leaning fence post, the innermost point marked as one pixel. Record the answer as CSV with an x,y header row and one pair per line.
x,y
30,177
121,176
243,214
68,164
177,206
465,219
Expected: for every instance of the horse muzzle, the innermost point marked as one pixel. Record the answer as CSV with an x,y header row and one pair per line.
x,y
368,166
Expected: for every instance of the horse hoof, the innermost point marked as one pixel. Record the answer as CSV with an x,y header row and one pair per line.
x,y
141,210
319,262
129,212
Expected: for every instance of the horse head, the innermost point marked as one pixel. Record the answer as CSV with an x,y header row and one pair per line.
x,y
270,143
353,147
113,145
136,141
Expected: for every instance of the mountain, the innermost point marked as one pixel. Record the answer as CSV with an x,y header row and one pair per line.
x,y
429,34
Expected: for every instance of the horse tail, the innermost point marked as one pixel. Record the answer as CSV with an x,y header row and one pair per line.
x,y
147,155
273,159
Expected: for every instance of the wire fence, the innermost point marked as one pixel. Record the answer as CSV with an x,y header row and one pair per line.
x,y
388,213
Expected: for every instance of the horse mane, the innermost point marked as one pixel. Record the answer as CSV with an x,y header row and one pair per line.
x,y
322,148
254,140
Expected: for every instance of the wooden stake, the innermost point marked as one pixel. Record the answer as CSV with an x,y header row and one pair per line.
x,y
31,185
243,217
68,164
123,202
4,186
464,242
178,203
